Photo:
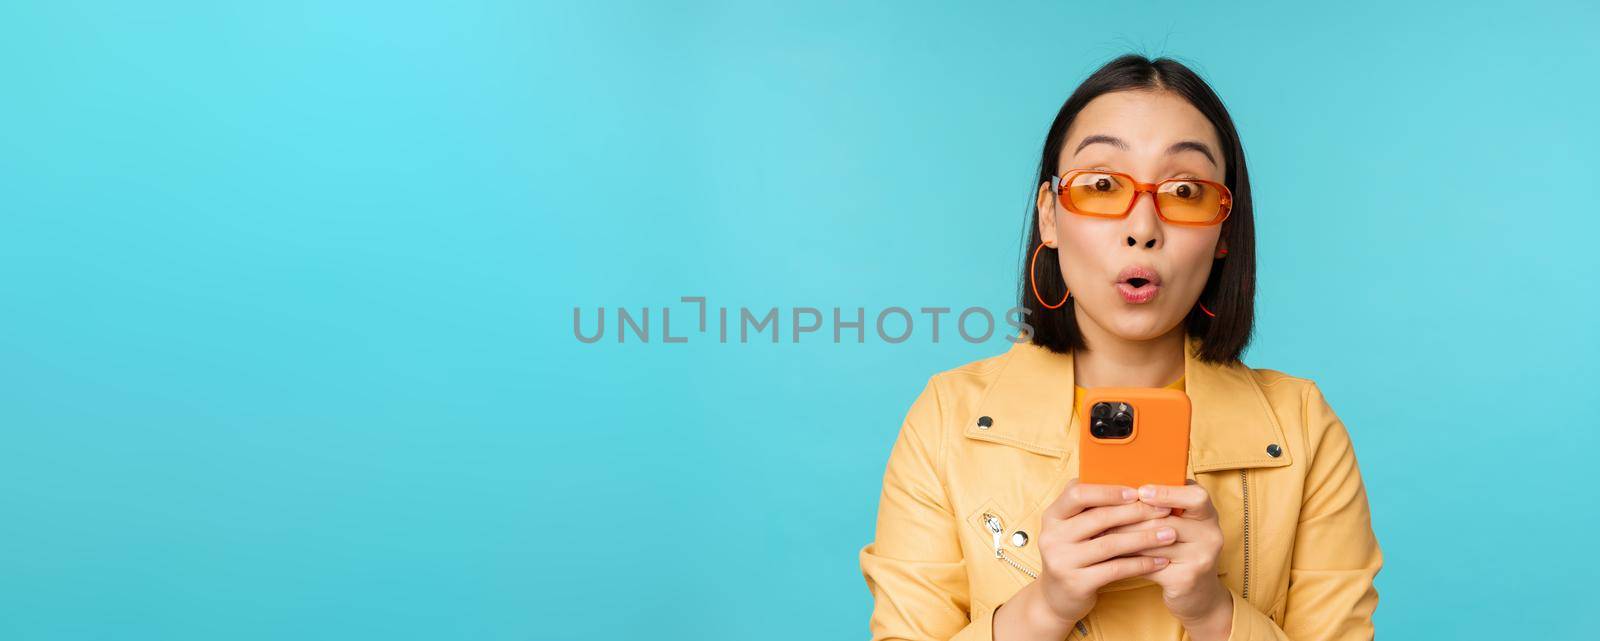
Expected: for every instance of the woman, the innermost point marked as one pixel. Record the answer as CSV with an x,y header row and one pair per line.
x,y
983,531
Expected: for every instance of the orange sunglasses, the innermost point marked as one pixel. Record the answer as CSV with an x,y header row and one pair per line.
x,y
1111,194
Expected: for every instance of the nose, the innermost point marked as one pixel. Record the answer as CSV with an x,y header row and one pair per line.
x,y
1144,228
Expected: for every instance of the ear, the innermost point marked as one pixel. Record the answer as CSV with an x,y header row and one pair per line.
x,y
1047,215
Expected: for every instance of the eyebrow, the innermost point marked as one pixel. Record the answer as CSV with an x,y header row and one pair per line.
x,y
1103,139
1182,145
1193,145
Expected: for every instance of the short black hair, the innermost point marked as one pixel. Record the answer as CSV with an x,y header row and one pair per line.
x,y
1230,289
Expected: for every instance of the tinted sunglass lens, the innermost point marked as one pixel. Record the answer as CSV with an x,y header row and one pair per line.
x,y
1189,201
1099,193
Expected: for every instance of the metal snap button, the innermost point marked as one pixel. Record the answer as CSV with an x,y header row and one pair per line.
x,y
1019,538
1274,451
985,422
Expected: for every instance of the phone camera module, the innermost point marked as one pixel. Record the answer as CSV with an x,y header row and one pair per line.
x,y
1111,420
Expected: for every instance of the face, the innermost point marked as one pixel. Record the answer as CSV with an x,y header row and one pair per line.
x,y
1148,135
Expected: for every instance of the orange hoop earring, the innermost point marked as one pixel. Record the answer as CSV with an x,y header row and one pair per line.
x,y
1207,311
1032,268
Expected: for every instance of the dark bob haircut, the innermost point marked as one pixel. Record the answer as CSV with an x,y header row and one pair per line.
x,y
1230,289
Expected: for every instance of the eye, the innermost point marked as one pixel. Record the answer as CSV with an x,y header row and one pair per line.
x,y
1096,183
1185,189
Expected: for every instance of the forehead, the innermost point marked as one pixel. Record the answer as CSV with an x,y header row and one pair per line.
x,y
1148,121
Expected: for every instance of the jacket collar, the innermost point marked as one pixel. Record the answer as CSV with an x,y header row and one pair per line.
x,y
1030,406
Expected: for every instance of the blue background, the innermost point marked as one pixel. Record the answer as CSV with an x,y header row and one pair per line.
x,y
286,335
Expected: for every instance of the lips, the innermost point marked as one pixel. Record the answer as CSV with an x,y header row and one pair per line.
x,y
1138,284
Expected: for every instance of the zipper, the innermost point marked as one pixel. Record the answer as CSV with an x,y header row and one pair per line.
x,y
1244,486
998,529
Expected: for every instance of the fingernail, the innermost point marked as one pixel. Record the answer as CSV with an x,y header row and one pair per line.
x,y
1127,494
1147,492
1166,534
1161,561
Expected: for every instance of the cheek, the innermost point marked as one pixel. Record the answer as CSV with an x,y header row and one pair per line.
x,y
1194,256
1084,240
1083,252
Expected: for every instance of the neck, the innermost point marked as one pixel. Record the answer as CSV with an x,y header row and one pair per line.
x,y
1113,361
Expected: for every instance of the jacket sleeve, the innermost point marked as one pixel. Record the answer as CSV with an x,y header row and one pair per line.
x,y
913,567
1336,554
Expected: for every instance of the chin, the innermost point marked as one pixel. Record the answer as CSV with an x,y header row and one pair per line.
x,y
1141,323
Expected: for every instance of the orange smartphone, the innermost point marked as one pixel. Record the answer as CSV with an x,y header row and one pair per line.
x,y
1133,436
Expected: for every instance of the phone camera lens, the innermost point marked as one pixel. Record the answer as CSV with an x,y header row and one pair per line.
x,y
1111,420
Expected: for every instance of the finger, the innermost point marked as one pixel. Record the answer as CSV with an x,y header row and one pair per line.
x,y
1179,552
1111,546
1178,511
1150,524
1189,531
1105,572
1096,520
1077,497
1192,499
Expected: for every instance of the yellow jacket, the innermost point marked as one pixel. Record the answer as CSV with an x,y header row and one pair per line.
x,y
1299,552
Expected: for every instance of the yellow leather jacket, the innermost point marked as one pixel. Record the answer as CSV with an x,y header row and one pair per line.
x,y
986,446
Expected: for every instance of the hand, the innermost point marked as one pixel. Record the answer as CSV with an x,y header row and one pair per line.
x,y
1080,556
1189,584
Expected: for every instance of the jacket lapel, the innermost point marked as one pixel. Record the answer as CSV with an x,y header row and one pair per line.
x,y
1030,406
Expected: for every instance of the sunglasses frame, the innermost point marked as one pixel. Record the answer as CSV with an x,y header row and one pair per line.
x,y
1225,205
